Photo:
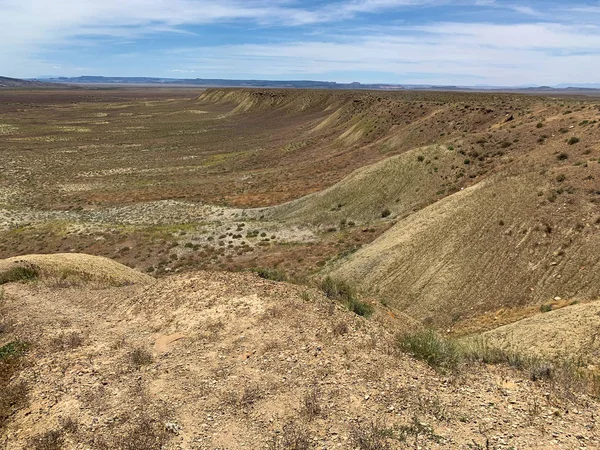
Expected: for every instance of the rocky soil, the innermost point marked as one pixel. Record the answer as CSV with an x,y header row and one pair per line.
x,y
231,361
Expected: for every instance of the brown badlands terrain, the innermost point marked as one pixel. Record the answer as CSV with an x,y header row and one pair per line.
x,y
425,270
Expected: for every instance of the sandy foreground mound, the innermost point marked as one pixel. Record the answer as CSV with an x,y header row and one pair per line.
x,y
231,361
573,331
71,268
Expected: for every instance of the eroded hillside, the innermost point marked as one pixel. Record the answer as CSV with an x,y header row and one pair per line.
x,y
149,177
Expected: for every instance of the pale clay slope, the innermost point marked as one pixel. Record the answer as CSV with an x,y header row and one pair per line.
x,y
234,357
572,332
482,249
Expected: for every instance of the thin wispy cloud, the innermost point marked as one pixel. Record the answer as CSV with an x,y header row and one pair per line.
x,y
441,41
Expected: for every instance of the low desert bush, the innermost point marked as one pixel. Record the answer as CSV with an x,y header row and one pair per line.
x,y
270,274
13,395
292,437
428,346
19,273
373,435
141,434
139,357
12,398
66,341
345,293
50,440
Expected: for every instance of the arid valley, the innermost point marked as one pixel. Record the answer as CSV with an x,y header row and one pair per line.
x,y
295,269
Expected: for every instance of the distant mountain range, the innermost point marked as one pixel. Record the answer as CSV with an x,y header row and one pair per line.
x,y
292,84
201,82
7,83
298,84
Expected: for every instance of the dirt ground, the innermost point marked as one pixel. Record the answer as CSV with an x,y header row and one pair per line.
x,y
218,360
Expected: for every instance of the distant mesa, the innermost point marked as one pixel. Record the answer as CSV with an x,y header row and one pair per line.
x,y
11,83
90,80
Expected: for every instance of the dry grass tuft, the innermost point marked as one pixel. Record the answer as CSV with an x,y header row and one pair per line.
x,y
373,435
141,434
292,437
447,354
67,341
139,357
50,440
311,403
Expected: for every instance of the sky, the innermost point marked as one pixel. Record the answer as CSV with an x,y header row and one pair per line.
x,y
449,42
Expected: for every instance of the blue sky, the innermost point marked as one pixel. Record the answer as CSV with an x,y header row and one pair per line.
x,y
464,42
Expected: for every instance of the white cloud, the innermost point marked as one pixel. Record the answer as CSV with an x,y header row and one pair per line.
x,y
443,53
446,52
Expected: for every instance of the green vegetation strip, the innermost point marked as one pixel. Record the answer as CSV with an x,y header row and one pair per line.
x,y
447,354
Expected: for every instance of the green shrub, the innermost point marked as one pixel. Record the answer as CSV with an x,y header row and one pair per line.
x,y
428,346
15,348
345,293
20,273
386,213
546,308
270,274
573,140
360,308
562,156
